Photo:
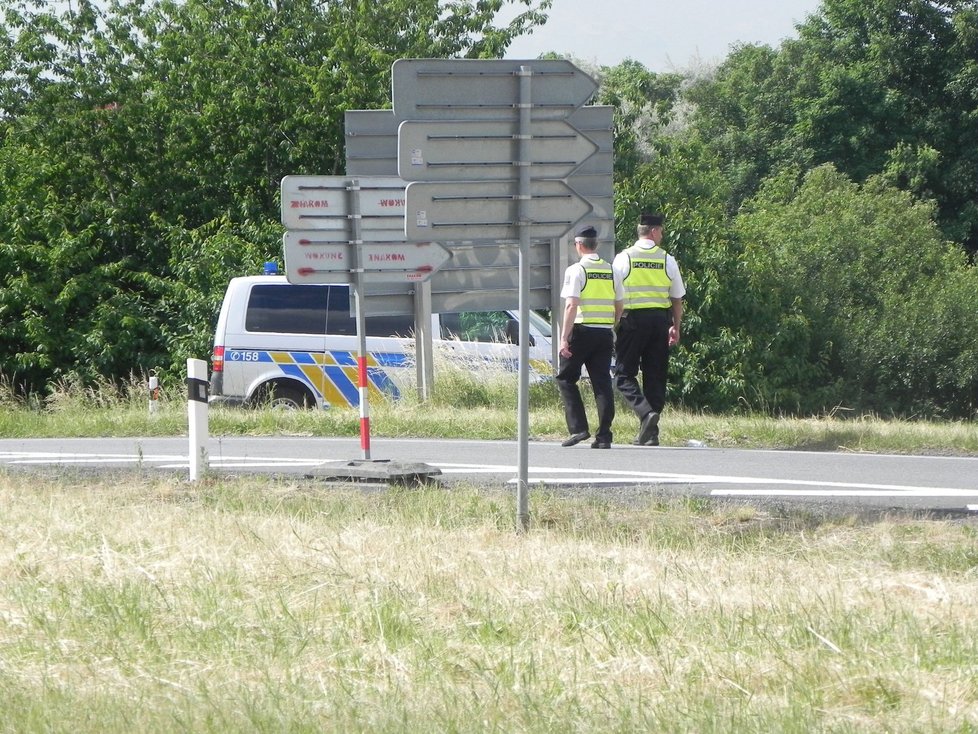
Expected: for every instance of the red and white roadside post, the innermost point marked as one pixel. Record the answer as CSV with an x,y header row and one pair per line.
x,y
364,407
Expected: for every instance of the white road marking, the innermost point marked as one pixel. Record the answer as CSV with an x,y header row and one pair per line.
x,y
248,463
907,492
51,456
78,460
544,475
851,489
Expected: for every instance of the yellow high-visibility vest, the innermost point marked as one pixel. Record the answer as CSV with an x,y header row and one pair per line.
x,y
597,306
647,283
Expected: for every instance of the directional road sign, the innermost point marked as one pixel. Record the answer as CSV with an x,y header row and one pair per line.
x,y
489,210
322,202
372,150
312,258
458,89
463,150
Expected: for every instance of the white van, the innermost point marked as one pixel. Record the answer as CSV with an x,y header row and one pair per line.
x,y
296,345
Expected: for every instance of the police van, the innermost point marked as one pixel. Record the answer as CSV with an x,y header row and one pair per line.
x,y
296,346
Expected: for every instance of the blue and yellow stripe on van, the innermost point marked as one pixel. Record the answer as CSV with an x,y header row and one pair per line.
x,y
332,376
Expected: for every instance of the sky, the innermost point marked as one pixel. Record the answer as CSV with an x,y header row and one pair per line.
x,y
663,35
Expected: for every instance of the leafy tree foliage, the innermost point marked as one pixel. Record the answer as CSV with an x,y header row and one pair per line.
x,y
873,87
858,300
142,145
820,291
644,102
686,184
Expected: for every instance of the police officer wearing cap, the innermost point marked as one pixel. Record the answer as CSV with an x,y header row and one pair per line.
x,y
650,324
593,302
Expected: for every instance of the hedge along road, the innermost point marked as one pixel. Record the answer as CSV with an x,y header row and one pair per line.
x,y
845,482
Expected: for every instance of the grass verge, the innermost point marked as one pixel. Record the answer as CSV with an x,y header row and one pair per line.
x,y
147,604
464,407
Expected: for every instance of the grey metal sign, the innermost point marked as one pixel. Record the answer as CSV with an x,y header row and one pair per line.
x,y
484,277
456,89
523,207
321,202
372,150
477,276
463,150
489,210
372,144
312,258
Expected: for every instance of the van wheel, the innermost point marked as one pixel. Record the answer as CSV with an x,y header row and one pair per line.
x,y
285,397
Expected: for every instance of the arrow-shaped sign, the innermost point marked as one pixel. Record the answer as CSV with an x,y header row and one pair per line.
x,y
463,150
489,210
312,258
322,202
458,89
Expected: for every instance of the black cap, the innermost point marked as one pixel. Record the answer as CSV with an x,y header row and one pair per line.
x,y
651,220
587,232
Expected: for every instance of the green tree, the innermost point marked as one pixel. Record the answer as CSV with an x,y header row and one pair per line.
x,y
131,129
687,185
859,301
871,86
744,112
644,103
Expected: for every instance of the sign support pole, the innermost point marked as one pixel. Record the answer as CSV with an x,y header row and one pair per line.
x,y
523,403
423,336
557,267
356,251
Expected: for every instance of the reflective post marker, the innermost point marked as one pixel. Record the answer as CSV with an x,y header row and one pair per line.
x,y
197,390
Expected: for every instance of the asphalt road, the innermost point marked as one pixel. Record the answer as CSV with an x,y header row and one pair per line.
x,y
845,481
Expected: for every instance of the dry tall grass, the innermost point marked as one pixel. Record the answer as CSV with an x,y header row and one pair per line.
x,y
146,604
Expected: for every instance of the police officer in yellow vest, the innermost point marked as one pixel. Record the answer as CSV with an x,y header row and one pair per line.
x,y
650,324
593,302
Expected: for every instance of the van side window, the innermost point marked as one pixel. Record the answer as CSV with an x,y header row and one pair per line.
x,y
315,309
339,320
287,309
390,326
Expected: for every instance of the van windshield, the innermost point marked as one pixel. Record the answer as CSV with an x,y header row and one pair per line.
x,y
489,326
541,324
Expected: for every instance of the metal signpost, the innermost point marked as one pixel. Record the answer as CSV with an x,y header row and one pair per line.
x,y
351,231
518,206
485,277
494,151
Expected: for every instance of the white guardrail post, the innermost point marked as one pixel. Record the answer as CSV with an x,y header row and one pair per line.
x,y
197,416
